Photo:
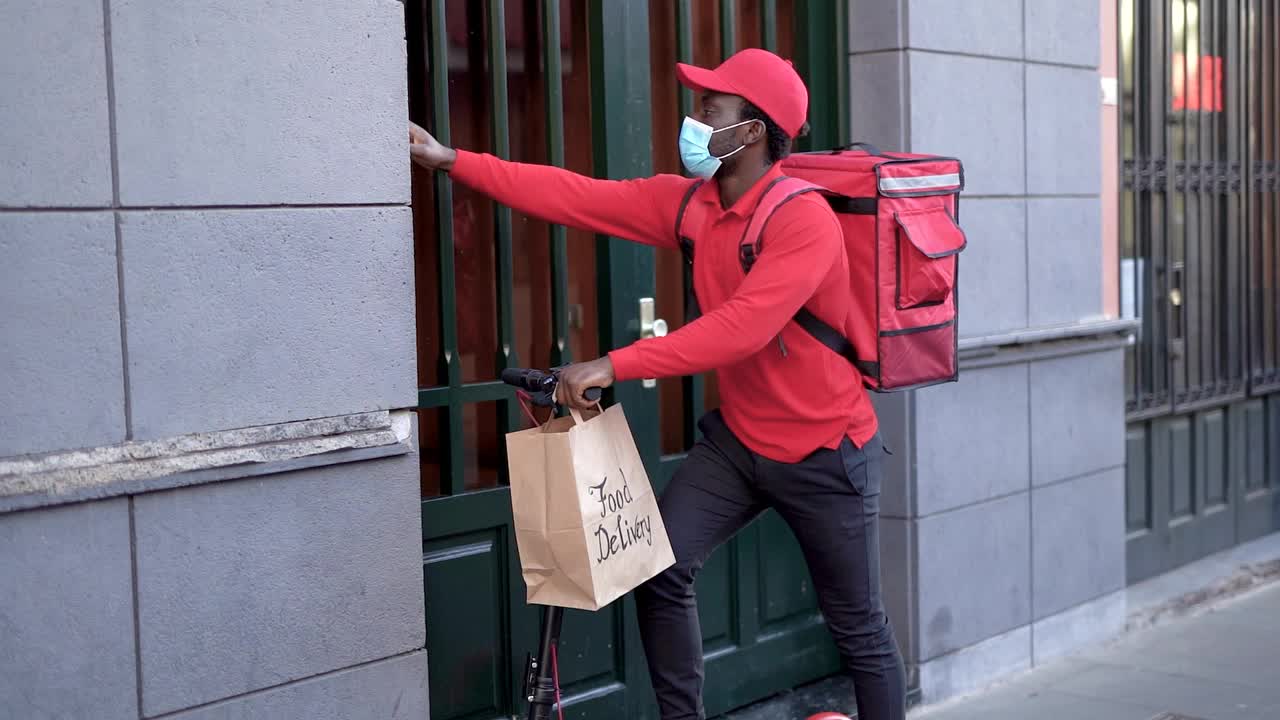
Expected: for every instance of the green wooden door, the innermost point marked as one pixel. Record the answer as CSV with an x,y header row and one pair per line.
x,y
573,83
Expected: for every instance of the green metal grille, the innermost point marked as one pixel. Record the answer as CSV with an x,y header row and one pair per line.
x,y
816,28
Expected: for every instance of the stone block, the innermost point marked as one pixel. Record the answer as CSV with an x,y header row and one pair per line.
x,y
1064,155
1064,260
252,317
896,413
1078,531
974,575
385,690
878,98
233,103
988,136
61,370
1063,31
876,25
973,27
993,267
66,614
1077,415
249,584
1083,626
958,426
55,130
975,667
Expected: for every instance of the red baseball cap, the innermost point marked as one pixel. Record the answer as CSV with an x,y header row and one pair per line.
x,y
764,79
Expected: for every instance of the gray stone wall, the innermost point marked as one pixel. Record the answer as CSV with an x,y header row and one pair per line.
x,y
1004,535
228,597
204,223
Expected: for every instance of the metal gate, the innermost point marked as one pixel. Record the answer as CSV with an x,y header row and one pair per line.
x,y
1199,141
587,85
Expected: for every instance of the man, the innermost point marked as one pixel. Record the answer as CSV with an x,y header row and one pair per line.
x,y
796,430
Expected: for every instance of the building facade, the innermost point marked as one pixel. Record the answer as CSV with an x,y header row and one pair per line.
x,y
208,484
251,458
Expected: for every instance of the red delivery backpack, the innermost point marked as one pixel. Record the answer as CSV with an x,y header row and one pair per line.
x,y
899,213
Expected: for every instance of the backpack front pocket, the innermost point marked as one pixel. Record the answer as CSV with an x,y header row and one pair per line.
x,y
928,242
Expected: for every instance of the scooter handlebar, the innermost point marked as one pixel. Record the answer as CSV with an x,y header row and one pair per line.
x,y
538,381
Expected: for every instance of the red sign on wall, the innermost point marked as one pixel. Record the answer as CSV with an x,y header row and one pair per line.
x,y
1197,83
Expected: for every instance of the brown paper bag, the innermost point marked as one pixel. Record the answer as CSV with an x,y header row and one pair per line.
x,y
587,522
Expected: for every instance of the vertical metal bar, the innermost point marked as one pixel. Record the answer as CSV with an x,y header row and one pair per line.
x,y
1257,190
841,95
1262,159
692,387
1246,174
1142,238
1143,80
621,118
621,133
728,28
684,50
451,446
1158,57
504,281
561,351
1272,236
1131,115
1181,380
1127,219
1257,62
769,24
1271,126
1208,152
1249,98
1233,75
817,42
1255,52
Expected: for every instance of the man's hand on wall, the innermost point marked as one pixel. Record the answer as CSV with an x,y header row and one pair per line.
x,y
426,151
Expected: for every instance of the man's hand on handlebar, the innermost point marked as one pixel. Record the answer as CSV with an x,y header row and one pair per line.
x,y
576,378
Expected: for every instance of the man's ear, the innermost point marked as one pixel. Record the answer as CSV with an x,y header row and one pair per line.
x,y
755,132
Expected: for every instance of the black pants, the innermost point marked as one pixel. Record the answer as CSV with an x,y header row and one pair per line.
x,y
831,502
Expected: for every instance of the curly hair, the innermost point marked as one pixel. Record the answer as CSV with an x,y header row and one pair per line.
x,y
779,143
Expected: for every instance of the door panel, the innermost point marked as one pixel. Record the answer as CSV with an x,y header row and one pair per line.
x,y
475,612
1256,459
468,670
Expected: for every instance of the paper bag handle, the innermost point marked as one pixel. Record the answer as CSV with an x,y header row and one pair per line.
x,y
577,415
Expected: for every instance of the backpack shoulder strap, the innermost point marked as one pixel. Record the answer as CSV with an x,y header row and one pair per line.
x,y
777,194
684,241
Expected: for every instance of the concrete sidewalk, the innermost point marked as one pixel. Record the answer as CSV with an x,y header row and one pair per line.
x,y
1221,663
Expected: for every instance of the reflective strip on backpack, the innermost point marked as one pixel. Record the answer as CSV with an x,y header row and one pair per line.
x,y
920,182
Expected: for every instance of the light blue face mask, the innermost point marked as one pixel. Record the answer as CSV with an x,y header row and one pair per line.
x,y
695,140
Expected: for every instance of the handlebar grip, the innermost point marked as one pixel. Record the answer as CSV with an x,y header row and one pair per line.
x,y
593,394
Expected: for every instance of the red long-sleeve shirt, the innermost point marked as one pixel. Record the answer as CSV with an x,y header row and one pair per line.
x,y
783,404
